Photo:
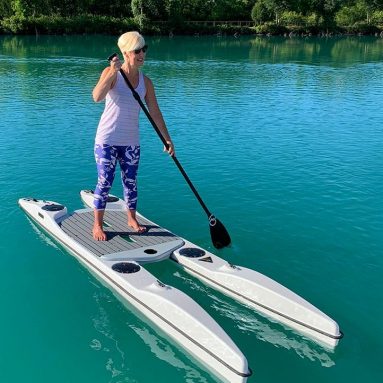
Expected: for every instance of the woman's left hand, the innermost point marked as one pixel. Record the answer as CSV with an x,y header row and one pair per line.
x,y
170,148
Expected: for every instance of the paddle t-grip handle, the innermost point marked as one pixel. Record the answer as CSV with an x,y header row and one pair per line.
x,y
112,56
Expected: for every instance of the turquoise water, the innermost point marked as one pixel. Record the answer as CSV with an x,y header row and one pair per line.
x,y
282,138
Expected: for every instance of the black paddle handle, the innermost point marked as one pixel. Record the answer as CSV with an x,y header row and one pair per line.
x,y
138,99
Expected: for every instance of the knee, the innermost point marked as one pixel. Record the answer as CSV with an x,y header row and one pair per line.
x,y
104,184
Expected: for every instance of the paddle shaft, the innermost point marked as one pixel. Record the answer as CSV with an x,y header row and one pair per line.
x,y
179,166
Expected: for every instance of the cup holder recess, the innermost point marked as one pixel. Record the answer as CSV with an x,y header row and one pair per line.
x,y
126,267
150,251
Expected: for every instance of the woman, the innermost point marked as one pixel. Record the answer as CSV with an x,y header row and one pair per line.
x,y
117,137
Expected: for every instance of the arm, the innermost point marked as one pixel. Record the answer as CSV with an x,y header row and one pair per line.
x,y
107,80
155,113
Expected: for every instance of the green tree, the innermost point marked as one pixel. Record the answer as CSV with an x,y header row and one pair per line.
x,y
377,17
5,9
260,12
115,8
150,9
231,9
349,15
174,10
326,9
23,8
197,9
263,8
368,7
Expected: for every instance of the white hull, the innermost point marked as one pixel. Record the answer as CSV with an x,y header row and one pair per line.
x,y
251,288
175,313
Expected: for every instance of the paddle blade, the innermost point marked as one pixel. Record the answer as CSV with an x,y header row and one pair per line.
x,y
219,235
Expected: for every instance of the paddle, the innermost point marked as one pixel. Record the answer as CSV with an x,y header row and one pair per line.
x,y
219,235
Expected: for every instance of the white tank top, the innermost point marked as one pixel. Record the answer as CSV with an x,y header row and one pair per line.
x,y
118,124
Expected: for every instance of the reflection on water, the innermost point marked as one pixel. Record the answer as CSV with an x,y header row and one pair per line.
x,y
287,339
334,51
253,324
41,234
165,352
110,343
337,52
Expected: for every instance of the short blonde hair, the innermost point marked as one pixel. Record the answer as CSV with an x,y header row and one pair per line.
x,y
130,41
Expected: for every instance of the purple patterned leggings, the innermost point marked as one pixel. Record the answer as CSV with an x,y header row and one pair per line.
x,y
106,159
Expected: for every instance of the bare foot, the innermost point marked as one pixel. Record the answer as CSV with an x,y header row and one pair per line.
x,y
98,233
133,223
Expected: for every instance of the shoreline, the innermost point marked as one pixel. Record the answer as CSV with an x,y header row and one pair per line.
x,y
196,34
105,25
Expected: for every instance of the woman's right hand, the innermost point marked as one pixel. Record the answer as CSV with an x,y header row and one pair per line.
x,y
115,64
107,80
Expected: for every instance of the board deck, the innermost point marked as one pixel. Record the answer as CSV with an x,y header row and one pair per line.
x,y
122,242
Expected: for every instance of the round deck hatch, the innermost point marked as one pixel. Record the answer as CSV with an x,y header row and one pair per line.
x,y
52,207
126,267
192,252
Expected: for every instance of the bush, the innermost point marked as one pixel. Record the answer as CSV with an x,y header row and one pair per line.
x,y
314,21
362,28
349,16
227,29
55,24
292,18
13,24
271,28
377,18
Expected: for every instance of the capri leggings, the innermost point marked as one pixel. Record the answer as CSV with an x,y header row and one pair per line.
x,y
106,159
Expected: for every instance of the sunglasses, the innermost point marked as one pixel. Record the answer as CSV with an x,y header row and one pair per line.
x,y
143,49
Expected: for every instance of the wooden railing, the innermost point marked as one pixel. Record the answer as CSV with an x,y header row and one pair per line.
x,y
213,23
